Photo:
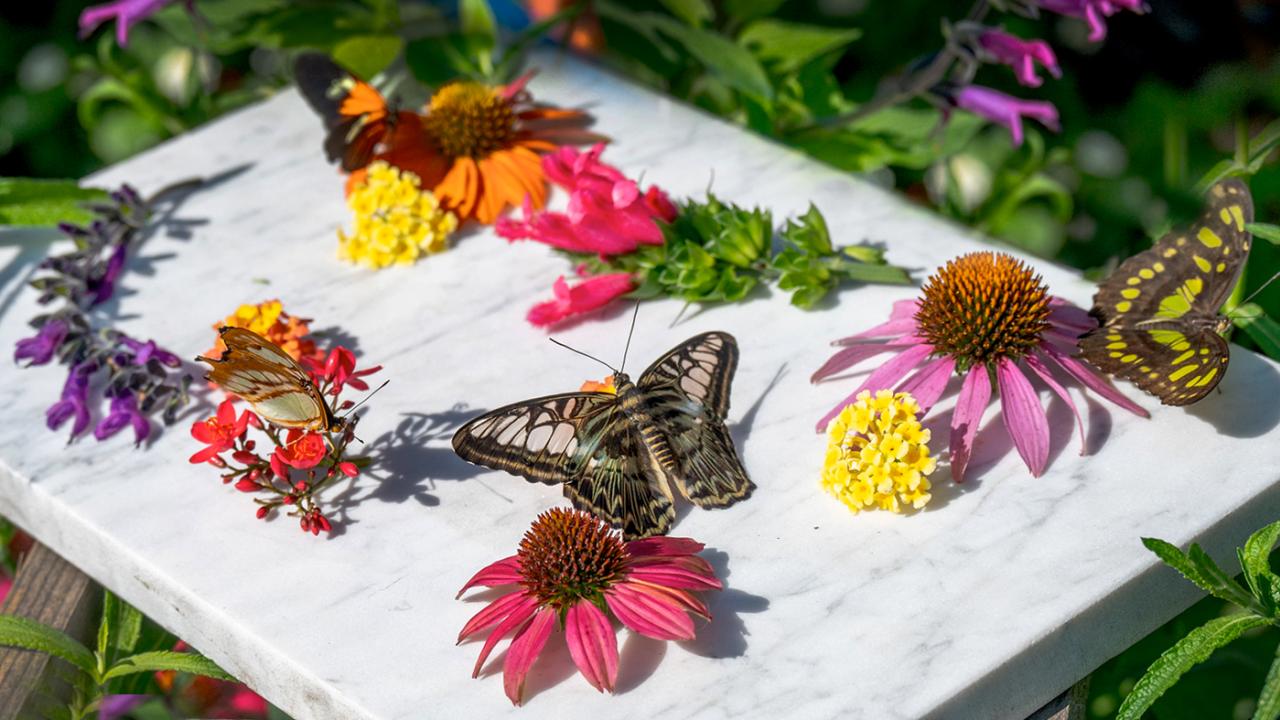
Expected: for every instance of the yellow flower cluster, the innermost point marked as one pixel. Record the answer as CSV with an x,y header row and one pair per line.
x,y
270,320
878,454
396,220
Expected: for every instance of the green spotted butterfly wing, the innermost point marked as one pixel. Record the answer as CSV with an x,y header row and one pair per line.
x,y
1158,312
618,455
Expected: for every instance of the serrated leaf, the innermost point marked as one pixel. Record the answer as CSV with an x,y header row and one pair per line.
x,y
1269,699
368,55
1266,231
1255,558
31,202
1259,326
693,12
158,660
1200,569
1188,652
731,63
789,46
23,633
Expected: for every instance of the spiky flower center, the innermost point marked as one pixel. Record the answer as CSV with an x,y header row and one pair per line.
x,y
982,307
470,119
568,555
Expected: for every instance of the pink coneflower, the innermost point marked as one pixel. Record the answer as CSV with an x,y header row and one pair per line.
x,y
988,317
572,570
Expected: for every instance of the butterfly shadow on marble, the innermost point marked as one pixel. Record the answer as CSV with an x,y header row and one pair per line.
x,y
1244,404
408,461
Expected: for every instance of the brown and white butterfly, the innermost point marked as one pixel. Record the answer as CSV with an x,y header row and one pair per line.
x,y
277,387
618,455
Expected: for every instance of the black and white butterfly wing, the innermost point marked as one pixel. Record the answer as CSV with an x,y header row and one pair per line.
x,y
686,393
577,440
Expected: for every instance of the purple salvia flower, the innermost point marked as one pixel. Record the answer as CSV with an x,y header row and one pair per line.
x,y
1021,55
101,289
125,12
40,349
74,402
114,707
1094,12
1005,109
144,351
124,411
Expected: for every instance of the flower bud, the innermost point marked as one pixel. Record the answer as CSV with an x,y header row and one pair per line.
x,y
349,469
246,485
262,512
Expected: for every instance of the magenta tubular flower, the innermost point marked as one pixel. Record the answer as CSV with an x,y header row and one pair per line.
x,y
125,12
40,349
1006,110
1021,55
1094,12
124,413
74,402
572,570
987,317
590,294
607,213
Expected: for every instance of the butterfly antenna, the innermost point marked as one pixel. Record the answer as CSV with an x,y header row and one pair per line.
x,y
630,332
1254,294
593,357
364,400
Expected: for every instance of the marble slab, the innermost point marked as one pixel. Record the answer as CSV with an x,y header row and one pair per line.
x,y
997,597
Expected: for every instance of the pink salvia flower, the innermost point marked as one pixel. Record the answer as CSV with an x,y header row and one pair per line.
x,y
1021,55
607,213
1005,109
590,294
126,13
571,570
989,318
1094,12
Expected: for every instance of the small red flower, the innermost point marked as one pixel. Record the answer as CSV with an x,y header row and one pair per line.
x,y
220,432
302,451
340,370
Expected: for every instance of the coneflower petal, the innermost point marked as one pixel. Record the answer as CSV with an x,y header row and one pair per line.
x,y
492,613
506,570
592,645
1024,416
847,357
672,595
1042,370
524,649
897,326
648,615
1092,381
663,547
883,378
675,577
975,393
929,382
517,615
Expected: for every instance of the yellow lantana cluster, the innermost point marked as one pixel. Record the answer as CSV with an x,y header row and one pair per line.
x,y
396,220
878,454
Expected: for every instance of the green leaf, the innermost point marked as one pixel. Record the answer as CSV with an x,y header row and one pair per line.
x,y
1256,557
475,17
1269,700
1200,569
438,59
1266,231
1191,650
880,274
368,55
1259,326
44,203
23,633
809,232
694,12
789,46
744,10
158,660
731,63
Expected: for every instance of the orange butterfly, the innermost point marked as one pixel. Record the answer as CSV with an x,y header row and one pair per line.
x,y
359,120
279,389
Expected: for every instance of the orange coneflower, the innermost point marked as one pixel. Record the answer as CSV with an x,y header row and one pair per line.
x,y
476,147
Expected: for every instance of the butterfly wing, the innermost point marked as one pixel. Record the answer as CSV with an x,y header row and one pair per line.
x,y
1158,311
577,440
255,369
686,392
355,114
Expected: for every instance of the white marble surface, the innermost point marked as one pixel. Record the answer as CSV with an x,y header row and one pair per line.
x,y
984,606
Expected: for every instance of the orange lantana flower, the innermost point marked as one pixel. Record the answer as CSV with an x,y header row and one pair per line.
x,y
477,147
268,319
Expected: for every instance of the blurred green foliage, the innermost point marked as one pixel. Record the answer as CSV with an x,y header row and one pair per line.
x,y
1148,117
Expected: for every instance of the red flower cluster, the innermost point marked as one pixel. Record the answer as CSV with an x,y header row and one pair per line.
x,y
300,463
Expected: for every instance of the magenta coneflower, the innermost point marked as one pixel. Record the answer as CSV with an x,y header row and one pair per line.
x,y
988,317
572,570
